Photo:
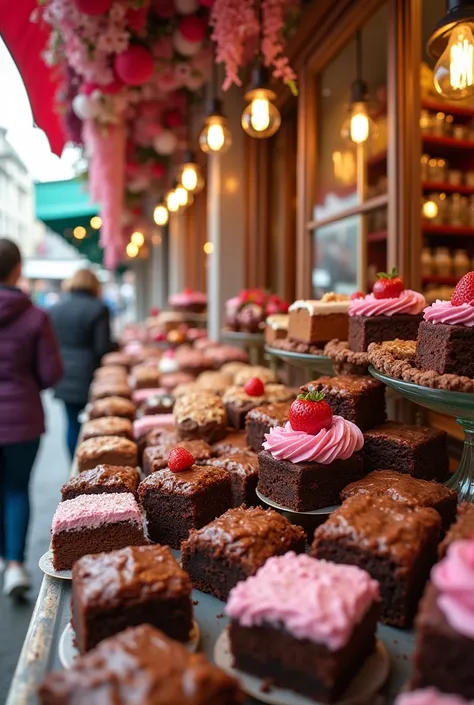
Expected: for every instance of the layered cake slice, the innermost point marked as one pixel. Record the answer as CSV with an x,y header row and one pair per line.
x,y
92,524
102,479
314,322
304,624
260,421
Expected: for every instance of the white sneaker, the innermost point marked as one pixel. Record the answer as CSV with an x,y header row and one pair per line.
x,y
16,581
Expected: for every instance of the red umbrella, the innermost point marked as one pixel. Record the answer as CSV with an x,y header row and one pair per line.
x,y
26,41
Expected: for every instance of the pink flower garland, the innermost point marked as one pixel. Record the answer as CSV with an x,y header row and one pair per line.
x,y
273,13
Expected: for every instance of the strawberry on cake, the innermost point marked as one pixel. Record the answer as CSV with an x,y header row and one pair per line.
x,y
188,301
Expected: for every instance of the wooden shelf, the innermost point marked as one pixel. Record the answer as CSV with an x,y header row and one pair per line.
x,y
447,142
380,236
439,187
451,230
448,281
377,159
450,108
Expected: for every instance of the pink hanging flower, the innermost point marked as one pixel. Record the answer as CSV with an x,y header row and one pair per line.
x,y
234,24
273,17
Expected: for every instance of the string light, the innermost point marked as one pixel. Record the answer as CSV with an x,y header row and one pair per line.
x,y
96,222
161,215
208,248
79,232
132,250
137,238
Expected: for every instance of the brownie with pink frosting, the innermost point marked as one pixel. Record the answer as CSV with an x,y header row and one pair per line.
x,y
300,638
429,696
446,339
92,523
188,301
304,472
397,544
444,650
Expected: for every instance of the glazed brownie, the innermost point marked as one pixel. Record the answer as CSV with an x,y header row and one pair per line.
x,y
176,502
102,479
287,626
395,543
214,381
140,666
157,437
145,377
238,403
200,415
357,399
170,380
156,457
191,361
446,349
243,468
94,523
245,374
108,426
463,528
260,420
161,403
117,358
113,406
316,322
419,451
364,330
125,588
115,372
235,545
234,442
108,388
106,450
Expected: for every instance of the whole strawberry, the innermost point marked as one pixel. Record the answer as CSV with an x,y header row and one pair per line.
x,y
464,291
388,286
180,459
310,413
357,295
255,387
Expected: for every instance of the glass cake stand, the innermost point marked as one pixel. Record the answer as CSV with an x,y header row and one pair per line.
x,y
304,361
457,404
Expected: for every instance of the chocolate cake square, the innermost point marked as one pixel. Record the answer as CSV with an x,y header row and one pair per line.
x,y
243,468
176,502
108,426
101,389
125,588
260,420
160,403
117,358
200,415
394,542
106,450
463,528
145,376
94,523
446,349
407,489
140,666
235,545
300,638
113,406
418,451
156,457
234,442
304,487
238,403
102,479
316,322
364,330
357,399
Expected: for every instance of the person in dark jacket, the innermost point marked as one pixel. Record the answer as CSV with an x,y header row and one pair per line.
x,y
82,325
29,363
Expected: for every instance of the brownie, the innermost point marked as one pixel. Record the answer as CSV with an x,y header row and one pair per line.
x,y
246,373
260,420
304,487
108,388
243,468
115,372
238,403
392,541
175,503
463,528
234,442
193,362
200,415
446,349
113,406
140,666
214,381
145,377
102,479
156,457
106,450
125,588
364,330
407,489
236,545
419,451
117,358
170,380
357,399
161,403
107,426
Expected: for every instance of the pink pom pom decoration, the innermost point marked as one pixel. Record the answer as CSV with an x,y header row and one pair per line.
x,y
134,66
193,28
173,118
93,7
137,18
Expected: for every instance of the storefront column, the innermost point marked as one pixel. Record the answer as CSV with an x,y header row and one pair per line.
x,y
178,253
156,274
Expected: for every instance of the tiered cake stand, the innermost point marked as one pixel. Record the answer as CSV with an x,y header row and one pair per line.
x,y
320,364
457,404
253,342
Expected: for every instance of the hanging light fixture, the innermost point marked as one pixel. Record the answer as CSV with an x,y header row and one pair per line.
x,y
358,126
184,197
452,44
215,137
261,118
161,215
190,175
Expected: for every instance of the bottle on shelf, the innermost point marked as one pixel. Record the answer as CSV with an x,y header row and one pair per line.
x,y
442,262
426,262
461,263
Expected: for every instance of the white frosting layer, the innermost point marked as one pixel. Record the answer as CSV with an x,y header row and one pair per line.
x,y
278,321
316,307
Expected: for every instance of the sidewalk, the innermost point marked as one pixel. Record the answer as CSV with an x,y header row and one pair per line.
x,y
51,470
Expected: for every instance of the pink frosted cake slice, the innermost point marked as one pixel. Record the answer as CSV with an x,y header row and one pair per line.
x,y
94,524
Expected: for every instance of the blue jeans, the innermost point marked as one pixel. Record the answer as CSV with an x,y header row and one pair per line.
x,y
16,464
73,426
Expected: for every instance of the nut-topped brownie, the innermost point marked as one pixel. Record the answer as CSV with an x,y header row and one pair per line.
x,y
134,585
463,528
262,419
394,542
109,388
357,399
407,489
419,451
113,406
245,374
200,415
106,450
236,545
140,666
176,502
243,468
108,426
102,479
238,401
156,457
145,376
216,382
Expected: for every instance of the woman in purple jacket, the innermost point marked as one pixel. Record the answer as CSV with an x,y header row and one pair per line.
x,y
29,362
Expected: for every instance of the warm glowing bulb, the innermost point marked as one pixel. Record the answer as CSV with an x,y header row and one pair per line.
x,y
261,118
172,201
96,222
430,209
160,215
79,232
137,238
359,124
132,250
260,114
189,177
208,248
182,195
215,136
454,73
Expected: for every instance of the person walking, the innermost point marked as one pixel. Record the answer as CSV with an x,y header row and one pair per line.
x,y
29,362
82,324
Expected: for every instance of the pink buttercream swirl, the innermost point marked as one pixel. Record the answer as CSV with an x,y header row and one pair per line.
x,y
409,301
445,312
453,577
338,442
429,696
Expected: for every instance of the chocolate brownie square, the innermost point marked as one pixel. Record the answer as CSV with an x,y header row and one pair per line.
x,y
446,349
108,426
145,377
236,545
106,450
234,442
200,415
125,588
463,528
156,457
395,543
260,420
364,330
238,403
161,403
108,388
243,468
176,502
357,399
113,406
102,479
418,451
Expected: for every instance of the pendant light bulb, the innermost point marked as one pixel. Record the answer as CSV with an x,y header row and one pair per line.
x,y
191,177
172,201
161,215
183,197
453,74
358,127
215,137
261,118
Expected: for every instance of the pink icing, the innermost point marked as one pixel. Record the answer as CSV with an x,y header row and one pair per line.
x,y
338,442
329,601
187,297
409,301
429,696
445,312
149,423
140,395
453,577
93,510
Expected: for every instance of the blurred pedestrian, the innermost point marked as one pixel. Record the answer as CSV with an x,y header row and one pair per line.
x,y
29,362
82,324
